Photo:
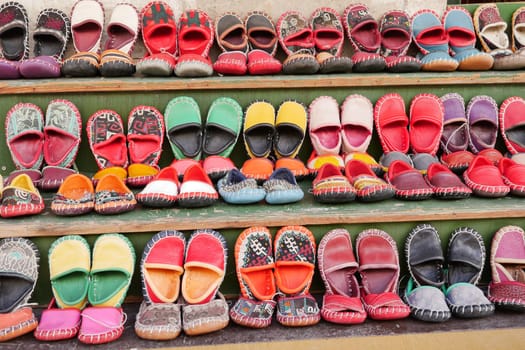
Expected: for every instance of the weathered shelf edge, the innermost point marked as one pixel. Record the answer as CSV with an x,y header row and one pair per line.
x,y
37,227
99,84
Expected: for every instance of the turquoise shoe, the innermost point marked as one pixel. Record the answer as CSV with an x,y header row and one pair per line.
x,y
236,188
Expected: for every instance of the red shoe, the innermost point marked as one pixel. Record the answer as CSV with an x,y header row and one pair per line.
x,y
159,33
485,179
391,123
105,132
512,123
378,259
513,175
233,41
197,189
262,38
426,123
195,36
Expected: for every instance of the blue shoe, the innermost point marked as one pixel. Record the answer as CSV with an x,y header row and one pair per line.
x,y
282,187
235,188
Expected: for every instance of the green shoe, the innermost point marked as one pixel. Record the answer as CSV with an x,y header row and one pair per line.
x,y
184,127
223,127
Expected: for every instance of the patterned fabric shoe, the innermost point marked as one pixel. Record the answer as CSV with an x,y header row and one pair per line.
x,y
112,196
396,36
76,196
363,32
254,265
369,186
19,258
51,36
14,31
158,321
282,188
205,318
195,38
105,131
20,198
296,39
294,251
328,32
236,188
331,186
24,124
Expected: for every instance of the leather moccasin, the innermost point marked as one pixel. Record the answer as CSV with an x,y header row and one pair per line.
x,y
378,260
425,262
445,183
363,32
123,28
338,268
512,123
290,129
391,123
455,130
513,175
426,123
396,36
75,196
14,32
409,182
328,32
331,186
507,254
263,41
482,116
87,23
484,178
195,38
325,125
369,186
357,122
222,128
233,41
184,127
297,41
112,196
196,189
259,129
162,190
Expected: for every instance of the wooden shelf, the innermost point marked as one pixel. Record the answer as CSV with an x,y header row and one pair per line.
x,y
137,84
224,216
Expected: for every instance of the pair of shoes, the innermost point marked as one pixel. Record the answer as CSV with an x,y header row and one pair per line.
x,y
77,196
433,294
182,49
246,46
77,278
475,127
165,190
109,145
347,302
33,140
280,188
348,129
87,24
50,38
286,270
20,197
492,179
425,124
202,264
491,30
19,259
187,136
507,255
452,34
377,47
283,133
313,45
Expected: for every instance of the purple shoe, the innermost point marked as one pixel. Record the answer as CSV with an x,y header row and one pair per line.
x,y
9,69
482,115
455,130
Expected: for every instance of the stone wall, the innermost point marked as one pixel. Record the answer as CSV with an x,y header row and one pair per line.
x,y
216,7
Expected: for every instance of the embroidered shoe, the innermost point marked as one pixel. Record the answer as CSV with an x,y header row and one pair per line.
x,y
112,196
20,198
75,196
331,186
236,188
282,188
233,41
